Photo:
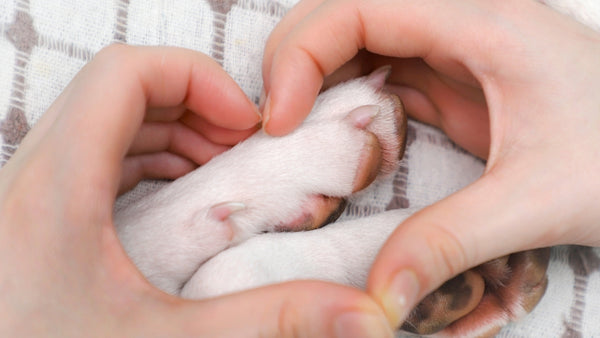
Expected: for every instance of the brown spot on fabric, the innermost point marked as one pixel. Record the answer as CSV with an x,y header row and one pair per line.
x,y
399,184
14,127
570,332
362,210
583,260
222,6
220,9
274,9
21,32
120,34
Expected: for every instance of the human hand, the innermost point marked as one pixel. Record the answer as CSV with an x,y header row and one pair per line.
x,y
512,82
133,112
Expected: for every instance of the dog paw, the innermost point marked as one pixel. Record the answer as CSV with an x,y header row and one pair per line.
x,y
354,133
479,302
476,303
341,252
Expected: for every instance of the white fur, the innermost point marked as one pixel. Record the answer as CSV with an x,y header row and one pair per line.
x,y
341,252
171,239
170,233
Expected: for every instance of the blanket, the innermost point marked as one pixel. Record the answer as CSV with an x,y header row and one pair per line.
x,y
44,43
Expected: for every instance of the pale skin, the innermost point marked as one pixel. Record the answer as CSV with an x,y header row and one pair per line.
x,y
533,115
131,113
512,82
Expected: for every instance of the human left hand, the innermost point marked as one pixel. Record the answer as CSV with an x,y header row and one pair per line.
x,y
132,113
513,82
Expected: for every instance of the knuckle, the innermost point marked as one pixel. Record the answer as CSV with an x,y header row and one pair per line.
x,y
288,320
447,249
116,58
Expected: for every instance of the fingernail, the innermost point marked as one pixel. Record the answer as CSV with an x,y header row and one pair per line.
x,y
257,111
255,108
360,325
261,100
400,296
266,113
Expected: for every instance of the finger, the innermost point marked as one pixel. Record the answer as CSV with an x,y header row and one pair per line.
x,y
293,309
284,26
438,31
465,230
176,138
409,80
216,134
163,165
115,90
311,309
457,106
361,64
164,114
417,104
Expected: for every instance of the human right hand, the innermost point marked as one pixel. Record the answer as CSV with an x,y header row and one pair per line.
x,y
512,82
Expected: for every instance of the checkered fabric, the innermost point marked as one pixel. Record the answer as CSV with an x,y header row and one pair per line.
x,y
44,43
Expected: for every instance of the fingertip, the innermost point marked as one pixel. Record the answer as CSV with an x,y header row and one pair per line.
x,y
222,102
418,257
283,118
290,101
292,80
398,296
299,56
302,308
442,240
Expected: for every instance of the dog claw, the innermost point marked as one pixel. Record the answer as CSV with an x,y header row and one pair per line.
x,y
362,116
222,211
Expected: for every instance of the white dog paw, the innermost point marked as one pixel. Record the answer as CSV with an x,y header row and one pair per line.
x,y
341,252
297,182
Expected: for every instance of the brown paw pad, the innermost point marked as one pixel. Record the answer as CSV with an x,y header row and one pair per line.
x,y
512,287
451,301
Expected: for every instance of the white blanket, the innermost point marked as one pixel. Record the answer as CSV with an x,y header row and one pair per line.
x,y
44,43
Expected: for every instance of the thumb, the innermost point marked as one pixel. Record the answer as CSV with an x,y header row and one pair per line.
x,y
490,218
295,309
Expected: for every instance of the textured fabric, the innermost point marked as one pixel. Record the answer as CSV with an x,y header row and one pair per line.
x,y
44,43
